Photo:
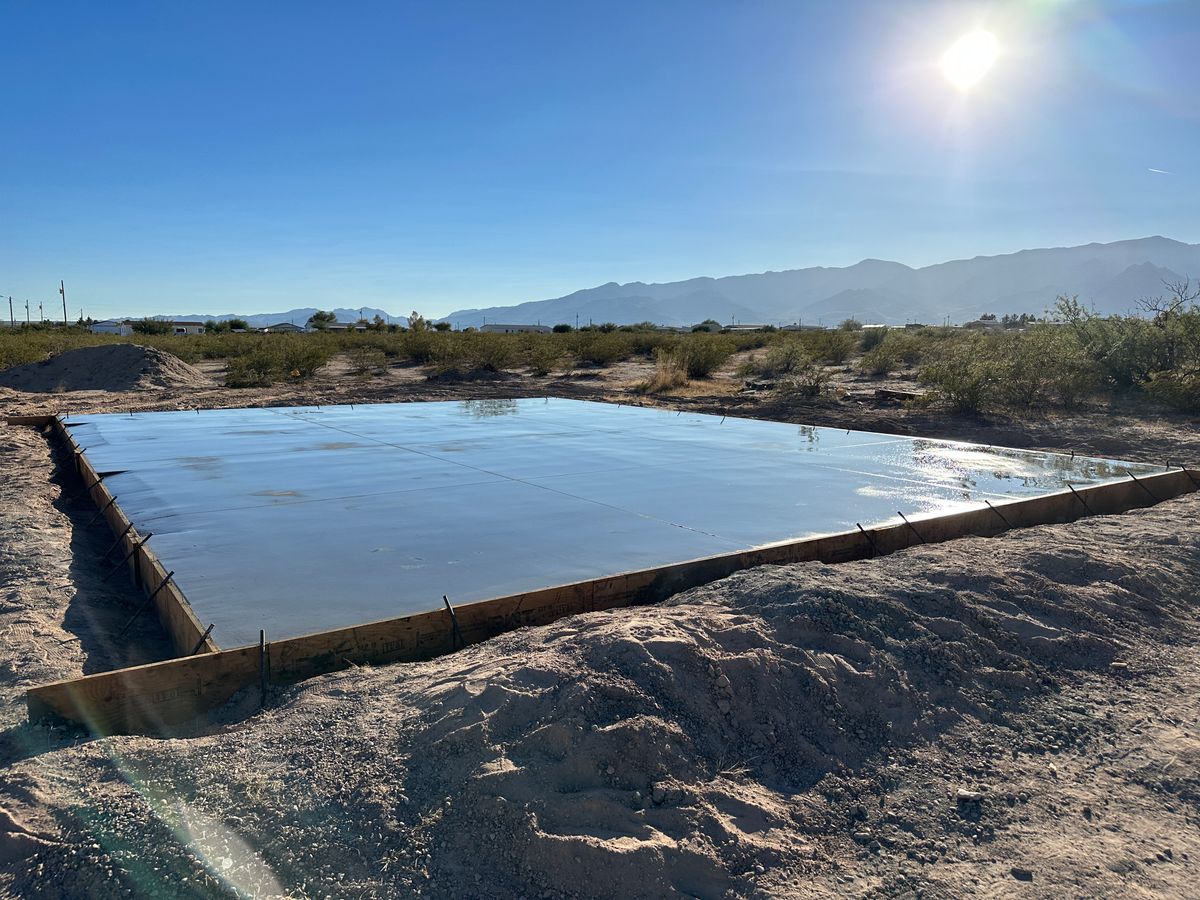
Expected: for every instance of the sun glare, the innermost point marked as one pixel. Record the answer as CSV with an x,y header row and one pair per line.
x,y
969,59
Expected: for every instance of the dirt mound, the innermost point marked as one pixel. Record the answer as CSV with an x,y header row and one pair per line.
x,y
736,741
108,367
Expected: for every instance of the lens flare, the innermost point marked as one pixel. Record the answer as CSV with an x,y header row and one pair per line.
x,y
970,58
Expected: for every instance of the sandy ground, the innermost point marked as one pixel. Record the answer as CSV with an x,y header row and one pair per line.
x,y
1017,716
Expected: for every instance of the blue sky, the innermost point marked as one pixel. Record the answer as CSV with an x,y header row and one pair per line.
x,y
251,157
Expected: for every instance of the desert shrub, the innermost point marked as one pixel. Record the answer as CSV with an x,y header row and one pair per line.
x,y
668,374
1178,389
282,357
421,345
252,370
781,358
698,356
599,348
962,375
832,347
851,324
806,382
872,338
880,360
367,361
490,352
908,347
544,357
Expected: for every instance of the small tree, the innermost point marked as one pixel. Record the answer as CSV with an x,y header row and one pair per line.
x,y
562,328
152,326
236,324
441,326
851,324
417,322
320,320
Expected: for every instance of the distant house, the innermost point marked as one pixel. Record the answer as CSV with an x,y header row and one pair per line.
x,y
797,326
740,329
122,327
984,325
186,327
516,329
284,328
340,327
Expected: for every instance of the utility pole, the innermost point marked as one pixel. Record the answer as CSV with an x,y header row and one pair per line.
x,y
41,314
11,320
26,310
62,289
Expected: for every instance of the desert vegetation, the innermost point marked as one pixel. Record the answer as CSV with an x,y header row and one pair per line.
x,y
1063,361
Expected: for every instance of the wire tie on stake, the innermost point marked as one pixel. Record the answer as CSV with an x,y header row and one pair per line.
x,y
203,638
262,666
457,636
1142,485
92,521
870,540
132,550
141,609
117,542
1007,524
910,525
1079,497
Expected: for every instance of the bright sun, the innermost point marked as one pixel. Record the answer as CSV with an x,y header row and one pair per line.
x,y
969,59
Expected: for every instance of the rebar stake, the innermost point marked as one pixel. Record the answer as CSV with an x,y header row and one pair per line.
x,y
92,521
116,543
262,667
1142,485
457,638
1079,497
870,540
1007,524
910,525
141,609
203,638
132,550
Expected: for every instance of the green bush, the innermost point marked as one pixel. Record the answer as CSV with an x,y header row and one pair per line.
x,y
781,359
366,361
698,356
962,375
599,348
872,338
832,347
880,360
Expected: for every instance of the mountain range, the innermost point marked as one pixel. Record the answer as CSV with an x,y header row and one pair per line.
x,y
1111,277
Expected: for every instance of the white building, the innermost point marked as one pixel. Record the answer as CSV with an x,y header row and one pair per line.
x,y
186,327
515,329
112,326
283,328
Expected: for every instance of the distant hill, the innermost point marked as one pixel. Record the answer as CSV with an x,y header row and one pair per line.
x,y
1112,277
296,316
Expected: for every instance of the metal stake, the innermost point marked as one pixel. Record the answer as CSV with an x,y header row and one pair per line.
x,y
1142,485
132,550
116,543
870,540
1079,497
1007,524
457,638
203,638
910,525
262,666
141,609
111,501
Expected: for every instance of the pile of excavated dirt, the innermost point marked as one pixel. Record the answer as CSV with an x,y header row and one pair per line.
x,y
985,716
108,367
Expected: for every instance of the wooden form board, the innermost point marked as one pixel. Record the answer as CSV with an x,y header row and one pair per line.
x,y
171,606
159,697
